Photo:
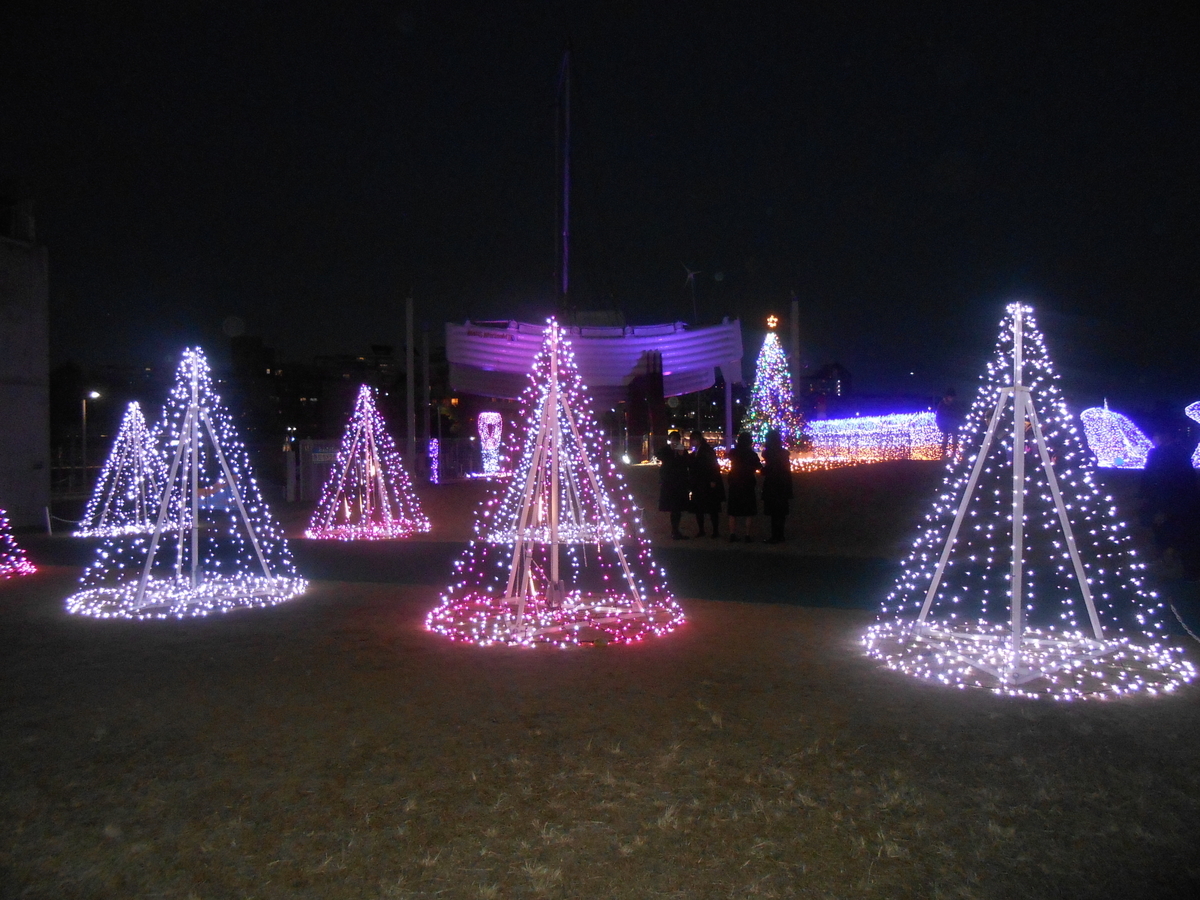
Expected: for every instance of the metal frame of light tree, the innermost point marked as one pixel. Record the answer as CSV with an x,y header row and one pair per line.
x,y
193,589
13,561
1018,659
548,512
130,484
369,488
541,510
1019,669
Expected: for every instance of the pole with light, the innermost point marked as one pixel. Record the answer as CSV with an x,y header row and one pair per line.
x,y
90,395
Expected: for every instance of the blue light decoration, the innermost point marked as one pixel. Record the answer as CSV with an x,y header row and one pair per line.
x,y
560,555
772,404
13,561
1113,439
368,495
1193,413
130,485
1024,580
215,545
435,450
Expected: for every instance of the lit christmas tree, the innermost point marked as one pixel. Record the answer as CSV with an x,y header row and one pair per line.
x,y
1113,439
215,545
771,400
126,497
1024,580
13,560
368,495
560,556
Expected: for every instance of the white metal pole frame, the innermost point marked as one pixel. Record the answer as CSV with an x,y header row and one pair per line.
x,y
540,515
1020,668
187,452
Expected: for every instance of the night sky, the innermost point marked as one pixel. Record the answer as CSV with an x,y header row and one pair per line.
x,y
302,167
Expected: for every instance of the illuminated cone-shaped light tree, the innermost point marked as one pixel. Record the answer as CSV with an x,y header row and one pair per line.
x,y
215,545
1113,439
772,403
127,495
368,495
13,560
560,555
1024,581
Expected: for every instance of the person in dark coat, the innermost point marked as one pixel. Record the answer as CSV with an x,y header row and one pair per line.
x,y
708,488
776,484
949,419
674,482
742,503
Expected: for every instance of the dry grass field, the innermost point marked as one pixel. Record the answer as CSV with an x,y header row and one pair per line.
x,y
332,748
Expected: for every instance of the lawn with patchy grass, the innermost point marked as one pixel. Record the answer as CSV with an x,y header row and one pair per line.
x,y
332,748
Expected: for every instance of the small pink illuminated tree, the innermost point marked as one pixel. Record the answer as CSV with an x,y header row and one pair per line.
x,y
13,560
559,555
126,496
368,495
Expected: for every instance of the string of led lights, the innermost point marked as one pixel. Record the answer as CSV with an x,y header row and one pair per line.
x,y
435,452
871,439
13,561
215,546
368,495
556,558
1114,440
130,484
772,404
1024,580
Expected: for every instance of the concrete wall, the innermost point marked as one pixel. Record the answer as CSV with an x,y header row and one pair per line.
x,y
24,382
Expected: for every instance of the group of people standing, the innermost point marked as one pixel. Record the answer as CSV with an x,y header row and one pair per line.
x,y
692,482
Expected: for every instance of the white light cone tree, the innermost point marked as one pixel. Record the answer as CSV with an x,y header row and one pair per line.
x,y
215,545
130,486
368,495
560,555
13,561
1024,580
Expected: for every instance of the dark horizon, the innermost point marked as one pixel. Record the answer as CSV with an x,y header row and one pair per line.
x,y
904,173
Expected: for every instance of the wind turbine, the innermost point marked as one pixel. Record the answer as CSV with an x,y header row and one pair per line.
x,y
691,280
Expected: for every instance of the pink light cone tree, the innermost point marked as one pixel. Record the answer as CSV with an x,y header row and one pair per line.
x,y
13,561
559,556
368,495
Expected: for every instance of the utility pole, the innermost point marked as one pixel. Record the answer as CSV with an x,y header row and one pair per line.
x,y
410,380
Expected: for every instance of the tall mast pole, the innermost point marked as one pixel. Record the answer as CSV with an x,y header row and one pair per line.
x,y
564,116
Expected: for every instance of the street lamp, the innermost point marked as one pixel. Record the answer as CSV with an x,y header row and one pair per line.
x,y
90,395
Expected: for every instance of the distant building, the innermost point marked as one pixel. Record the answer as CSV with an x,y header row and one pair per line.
x,y
24,368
